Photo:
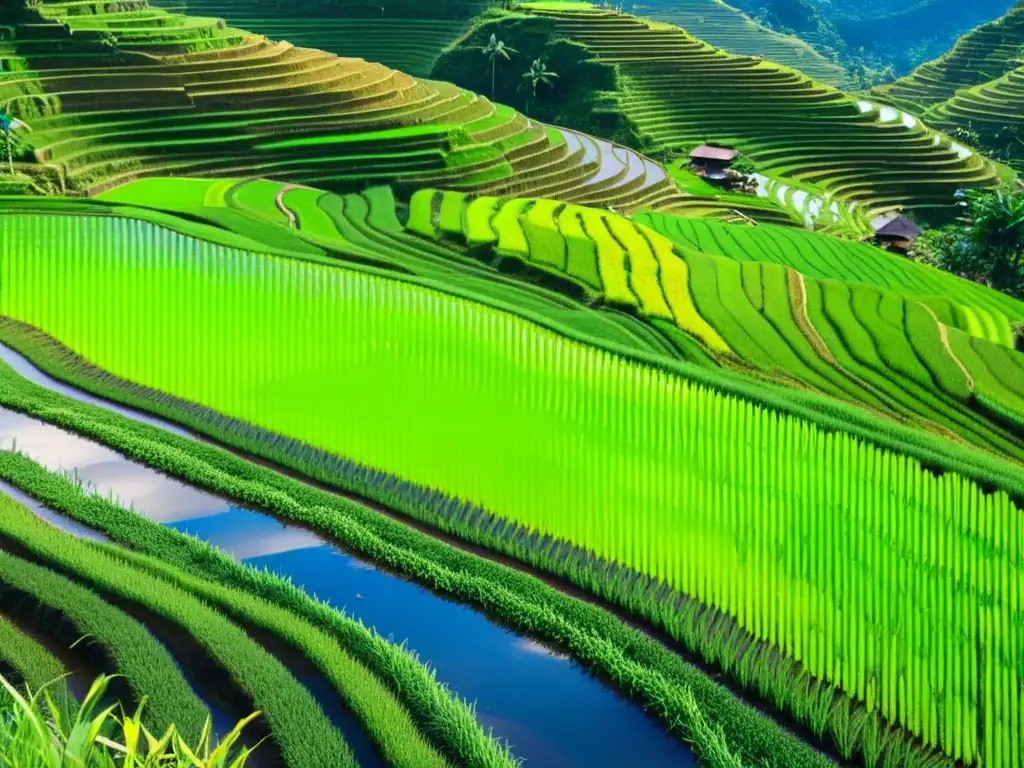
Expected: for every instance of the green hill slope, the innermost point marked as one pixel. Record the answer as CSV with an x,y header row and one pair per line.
x,y
403,36
977,88
728,28
835,154
113,96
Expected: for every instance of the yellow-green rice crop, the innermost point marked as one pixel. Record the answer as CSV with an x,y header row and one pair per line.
x,y
897,584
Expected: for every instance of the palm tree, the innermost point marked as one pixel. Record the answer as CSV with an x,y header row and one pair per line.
x,y
9,123
537,73
494,49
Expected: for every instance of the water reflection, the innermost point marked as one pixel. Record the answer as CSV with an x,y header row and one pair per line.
x,y
550,709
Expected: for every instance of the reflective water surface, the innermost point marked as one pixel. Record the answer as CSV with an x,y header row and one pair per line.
x,y
551,710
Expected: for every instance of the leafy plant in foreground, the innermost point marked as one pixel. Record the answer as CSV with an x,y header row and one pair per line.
x,y
990,248
37,733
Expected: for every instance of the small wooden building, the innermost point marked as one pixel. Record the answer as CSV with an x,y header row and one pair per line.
x,y
895,232
713,160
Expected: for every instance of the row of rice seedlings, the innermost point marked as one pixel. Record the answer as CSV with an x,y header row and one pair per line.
x,y
33,667
641,596
383,717
298,726
721,642
974,308
519,600
149,670
885,579
36,731
442,714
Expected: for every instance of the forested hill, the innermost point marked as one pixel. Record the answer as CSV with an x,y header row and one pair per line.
x,y
975,91
878,33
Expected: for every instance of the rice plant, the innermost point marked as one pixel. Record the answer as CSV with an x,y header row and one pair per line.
x,y
38,733
894,583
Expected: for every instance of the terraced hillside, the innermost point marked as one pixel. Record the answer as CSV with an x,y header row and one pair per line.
x,y
428,352
862,343
728,28
979,57
977,87
207,99
994,111
782,306
682,92
408,44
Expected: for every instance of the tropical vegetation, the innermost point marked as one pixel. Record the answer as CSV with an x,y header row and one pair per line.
x,y
988,247
521,354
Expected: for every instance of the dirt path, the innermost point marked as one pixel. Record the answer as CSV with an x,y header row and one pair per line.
x,y
293,220
944,338
798,291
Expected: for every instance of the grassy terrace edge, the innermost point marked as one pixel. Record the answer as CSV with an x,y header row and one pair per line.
x,y
816,711
936,454
258,675
51,563
641,667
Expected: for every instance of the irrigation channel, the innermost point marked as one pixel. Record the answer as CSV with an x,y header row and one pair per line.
x,y
550,709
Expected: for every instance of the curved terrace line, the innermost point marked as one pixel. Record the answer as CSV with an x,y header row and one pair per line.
x,y
477,657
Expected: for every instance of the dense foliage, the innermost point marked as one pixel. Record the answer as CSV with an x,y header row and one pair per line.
x,y
581,98
989,248
782,452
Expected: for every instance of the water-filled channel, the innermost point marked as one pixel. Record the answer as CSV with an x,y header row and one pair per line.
x,y
551,710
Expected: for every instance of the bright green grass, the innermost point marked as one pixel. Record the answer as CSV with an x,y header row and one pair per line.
x,y
306,737
737,540
149,670
992,313
406,132
33,667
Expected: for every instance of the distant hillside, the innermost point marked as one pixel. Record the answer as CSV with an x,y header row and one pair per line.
x,y
827,156
982,55
876,33
731,30
975,90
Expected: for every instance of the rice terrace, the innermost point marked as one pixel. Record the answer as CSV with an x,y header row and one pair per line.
x,y
486,383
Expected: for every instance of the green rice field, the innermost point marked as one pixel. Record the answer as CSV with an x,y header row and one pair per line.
x,y
352,417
